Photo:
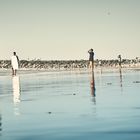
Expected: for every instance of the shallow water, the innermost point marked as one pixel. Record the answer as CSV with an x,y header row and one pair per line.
x,y
60,106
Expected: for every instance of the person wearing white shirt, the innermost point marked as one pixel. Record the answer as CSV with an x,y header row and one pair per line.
x,y
14,63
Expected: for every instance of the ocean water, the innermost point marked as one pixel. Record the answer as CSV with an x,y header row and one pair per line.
x,y
42,105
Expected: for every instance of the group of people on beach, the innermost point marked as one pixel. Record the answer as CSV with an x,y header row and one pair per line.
x,y
15,61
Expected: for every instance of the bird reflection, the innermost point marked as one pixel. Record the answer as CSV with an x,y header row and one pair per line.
x,y
16,89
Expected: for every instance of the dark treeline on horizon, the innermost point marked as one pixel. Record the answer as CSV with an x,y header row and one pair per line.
x,y
66,64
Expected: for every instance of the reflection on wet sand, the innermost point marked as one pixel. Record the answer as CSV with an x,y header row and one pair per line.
x,y
16,89
121,86
93,99
92,84
16,94
120,77
120,70
0,124
93,92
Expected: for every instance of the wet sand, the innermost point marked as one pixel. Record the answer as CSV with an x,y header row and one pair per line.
x,y
59,105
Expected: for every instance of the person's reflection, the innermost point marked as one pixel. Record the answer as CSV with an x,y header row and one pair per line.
x,y
0,124
16,94
120,71
92,87
120,77
93,99
16,89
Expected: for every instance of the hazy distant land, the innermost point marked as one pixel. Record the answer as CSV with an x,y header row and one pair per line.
x,y
69,64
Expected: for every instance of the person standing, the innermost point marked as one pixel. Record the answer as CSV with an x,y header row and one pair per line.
x,y
91,58
14,63
91,68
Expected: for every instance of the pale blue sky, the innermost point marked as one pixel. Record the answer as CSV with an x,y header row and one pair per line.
x,y
66,29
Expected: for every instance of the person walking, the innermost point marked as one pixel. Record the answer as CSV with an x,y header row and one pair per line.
x,y
14,63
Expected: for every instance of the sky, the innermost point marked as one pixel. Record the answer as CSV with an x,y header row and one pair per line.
x,y
67,29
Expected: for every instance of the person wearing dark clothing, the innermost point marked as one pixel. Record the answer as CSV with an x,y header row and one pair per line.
x,y
91,58
91,55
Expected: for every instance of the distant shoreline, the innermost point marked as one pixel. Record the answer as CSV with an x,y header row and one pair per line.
x,y
69,64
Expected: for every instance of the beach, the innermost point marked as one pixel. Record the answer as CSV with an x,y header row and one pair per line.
x,y
69,70
59,105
